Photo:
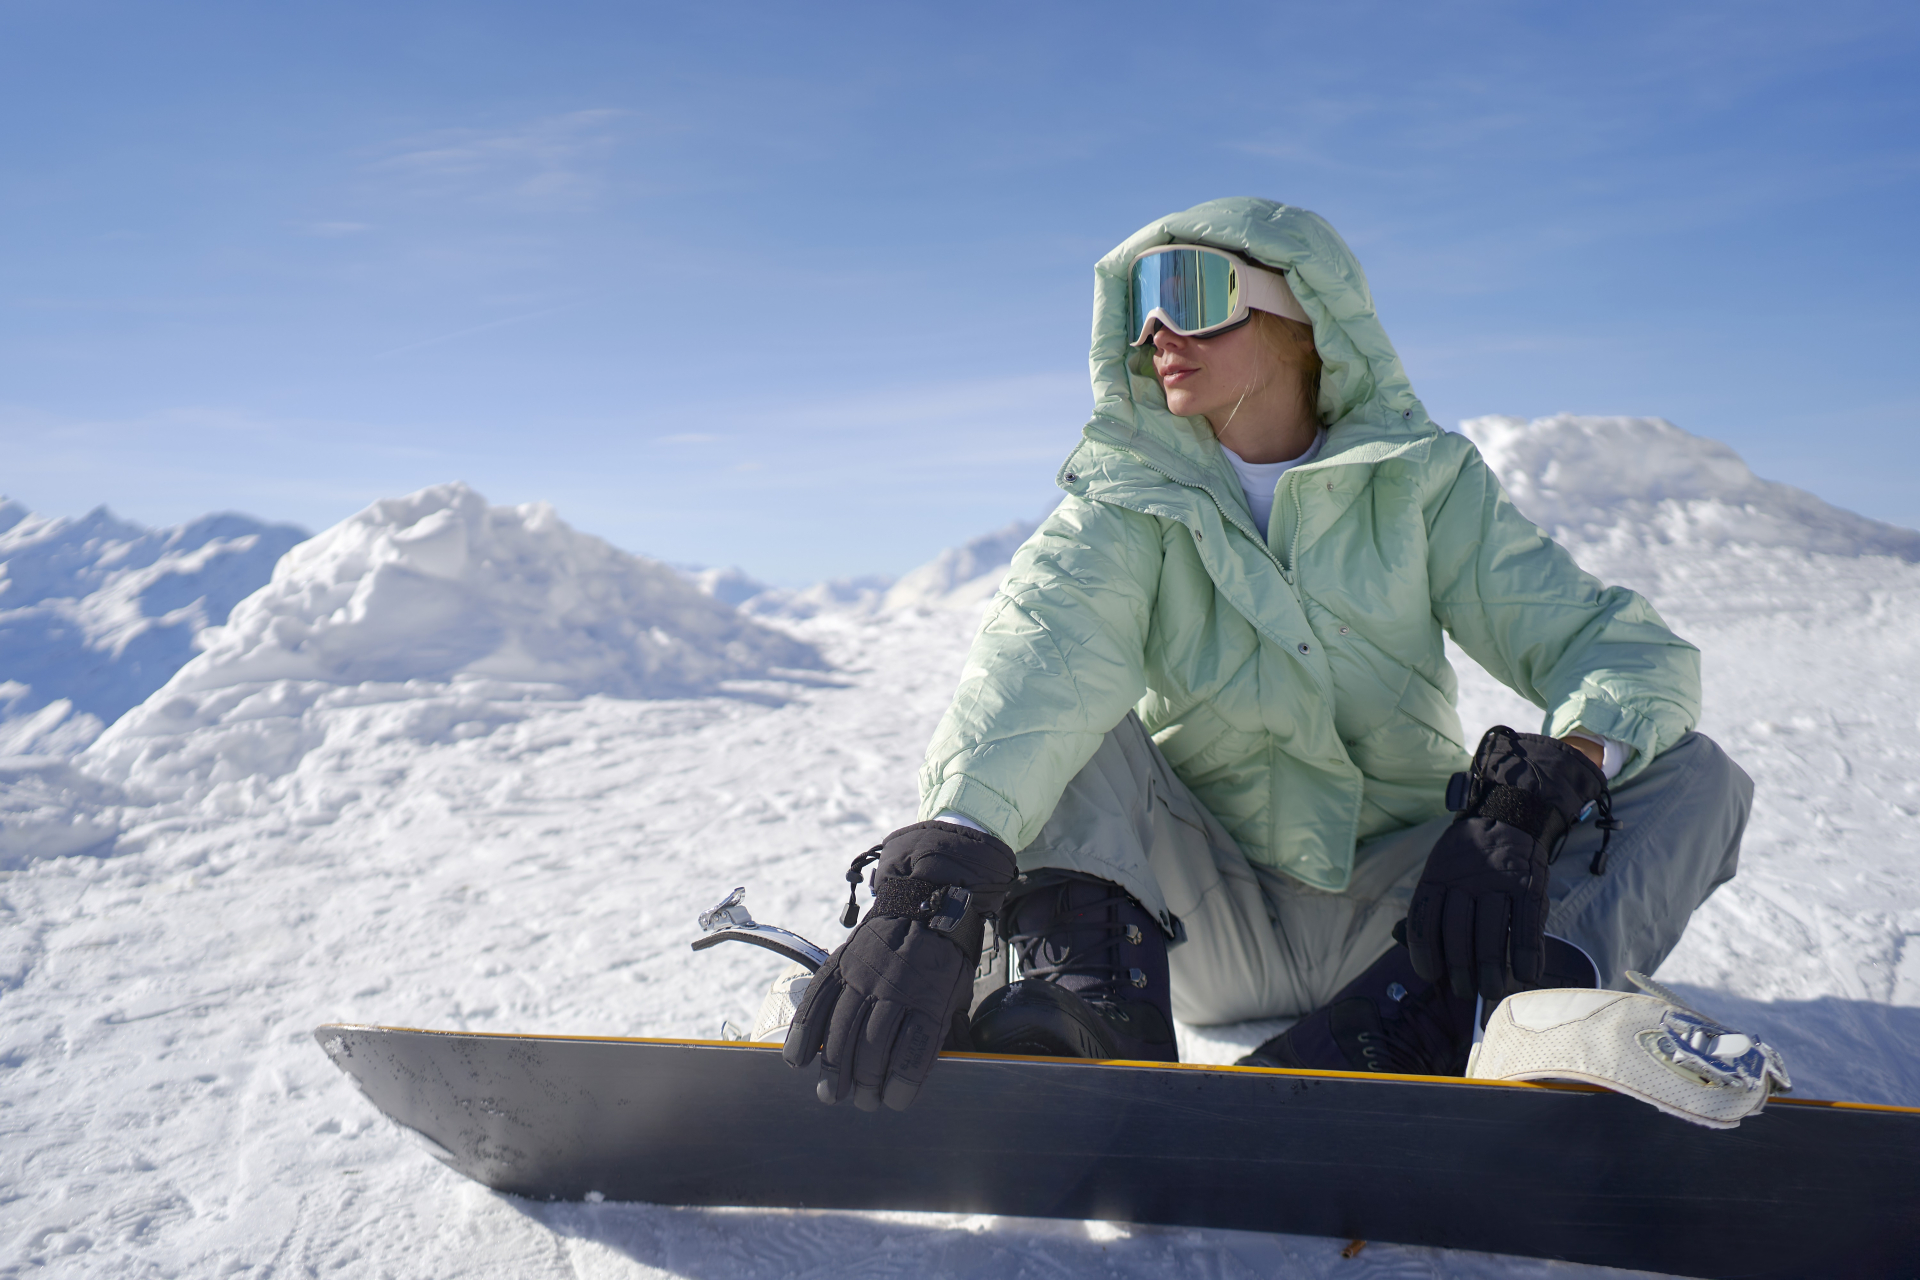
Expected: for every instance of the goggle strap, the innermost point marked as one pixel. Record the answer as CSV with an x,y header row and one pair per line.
x,y
1266,290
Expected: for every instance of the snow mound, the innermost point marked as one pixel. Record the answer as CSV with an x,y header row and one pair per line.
x,y
861,596
49,809
426,618
731,585
1598,480
96,613
438,584
968,574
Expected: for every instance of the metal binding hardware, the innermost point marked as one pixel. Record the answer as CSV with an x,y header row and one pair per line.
x,y
730,921
732,910
1689,1043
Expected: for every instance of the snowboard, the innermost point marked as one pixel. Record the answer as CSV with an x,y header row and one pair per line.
x,y
1551,1171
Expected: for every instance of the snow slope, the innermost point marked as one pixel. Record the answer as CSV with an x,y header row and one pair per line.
x,y
319,832
96,613
961,576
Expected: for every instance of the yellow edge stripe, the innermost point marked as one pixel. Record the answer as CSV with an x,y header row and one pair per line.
x,y
1557,1086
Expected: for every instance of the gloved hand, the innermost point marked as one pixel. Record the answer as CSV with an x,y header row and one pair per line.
x,y
1479,913
879,1010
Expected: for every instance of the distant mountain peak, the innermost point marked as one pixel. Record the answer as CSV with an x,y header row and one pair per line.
x,y
97,612
1608,479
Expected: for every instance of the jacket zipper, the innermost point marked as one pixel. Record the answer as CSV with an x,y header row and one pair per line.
x,y
1230,517
1299,516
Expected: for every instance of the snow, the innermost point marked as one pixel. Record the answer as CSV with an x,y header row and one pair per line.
x,y
960,576
460,766
96,613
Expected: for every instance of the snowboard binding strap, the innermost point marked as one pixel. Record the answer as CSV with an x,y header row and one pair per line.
x,y
730,921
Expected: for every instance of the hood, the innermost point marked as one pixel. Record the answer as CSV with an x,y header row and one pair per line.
x,y
1366,402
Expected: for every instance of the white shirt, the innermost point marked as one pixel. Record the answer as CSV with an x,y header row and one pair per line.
x,y
1261,480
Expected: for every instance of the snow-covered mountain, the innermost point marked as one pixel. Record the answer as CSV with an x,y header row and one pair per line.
x,y
1616,482
425,616
965,575
958,577
318,819
96,613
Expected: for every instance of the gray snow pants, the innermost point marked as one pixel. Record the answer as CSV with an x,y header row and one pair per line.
x,y
1255,943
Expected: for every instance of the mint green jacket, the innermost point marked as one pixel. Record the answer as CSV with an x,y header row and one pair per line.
x,y
1298,682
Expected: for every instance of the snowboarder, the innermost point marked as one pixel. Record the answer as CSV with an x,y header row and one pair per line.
x,y
1204,760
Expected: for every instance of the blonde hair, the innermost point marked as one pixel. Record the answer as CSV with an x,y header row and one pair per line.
x,y
1290,343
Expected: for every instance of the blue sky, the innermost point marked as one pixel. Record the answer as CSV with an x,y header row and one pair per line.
x,y
805,288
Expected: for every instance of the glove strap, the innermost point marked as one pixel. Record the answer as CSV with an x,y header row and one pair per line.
x,y
1522,809
944,908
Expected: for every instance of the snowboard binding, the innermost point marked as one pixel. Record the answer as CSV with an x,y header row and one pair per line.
x,y
730,921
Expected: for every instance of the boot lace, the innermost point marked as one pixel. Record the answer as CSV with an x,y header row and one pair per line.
x,y
1098,960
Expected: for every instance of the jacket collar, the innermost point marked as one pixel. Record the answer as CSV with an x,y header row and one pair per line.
x,y
1161,471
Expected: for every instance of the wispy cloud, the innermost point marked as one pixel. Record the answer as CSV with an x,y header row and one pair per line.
x,y
552,163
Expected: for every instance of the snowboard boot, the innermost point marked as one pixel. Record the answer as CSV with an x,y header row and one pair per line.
x,y
1093,976
1391,1019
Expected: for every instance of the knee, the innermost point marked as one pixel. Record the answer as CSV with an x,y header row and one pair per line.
x,y
1709,774
1718,797
1721,776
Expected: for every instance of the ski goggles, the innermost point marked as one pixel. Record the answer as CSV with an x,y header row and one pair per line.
x,y
1198,292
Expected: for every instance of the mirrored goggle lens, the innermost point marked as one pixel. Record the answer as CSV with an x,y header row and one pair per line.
x,y
1196,289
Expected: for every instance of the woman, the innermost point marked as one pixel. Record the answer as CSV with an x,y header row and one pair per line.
x,y
1199,761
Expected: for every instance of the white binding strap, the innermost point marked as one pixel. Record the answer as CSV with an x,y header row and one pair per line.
x,y
1651,1047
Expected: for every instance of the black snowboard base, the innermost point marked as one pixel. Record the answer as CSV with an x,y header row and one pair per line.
x,y
1550,1171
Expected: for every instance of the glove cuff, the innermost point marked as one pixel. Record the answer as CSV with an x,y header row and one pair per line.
x,y
945,853
1532,783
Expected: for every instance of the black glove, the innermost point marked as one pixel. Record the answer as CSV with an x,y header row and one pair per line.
x,y
880,1008
1482,900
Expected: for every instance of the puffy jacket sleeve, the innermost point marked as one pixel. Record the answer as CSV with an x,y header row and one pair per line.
x,y
1059,661
1591,655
